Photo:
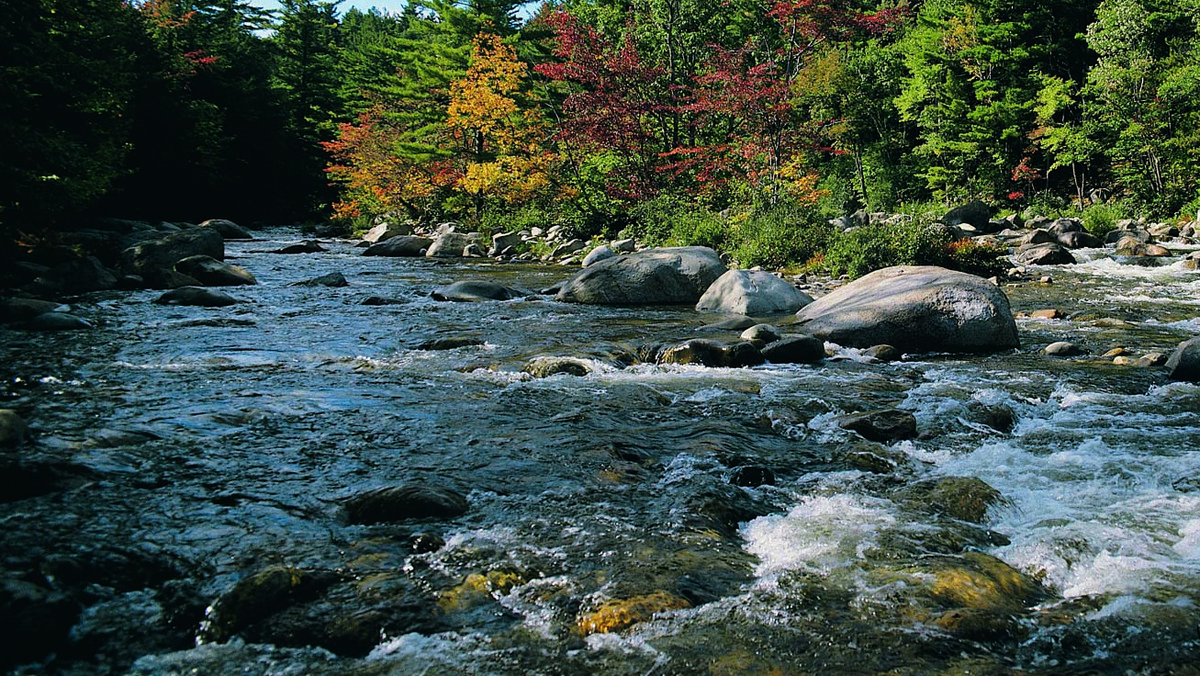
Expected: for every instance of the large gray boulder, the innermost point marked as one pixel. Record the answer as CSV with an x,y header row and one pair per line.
x,y
385,231
228,229
1184,362
401,246
449,245
916,309
671,276
753,293
151,260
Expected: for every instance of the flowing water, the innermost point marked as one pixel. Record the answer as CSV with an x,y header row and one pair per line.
x,y
181,450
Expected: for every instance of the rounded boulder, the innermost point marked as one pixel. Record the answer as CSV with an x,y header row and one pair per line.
x,y
753,293
915,309
667,276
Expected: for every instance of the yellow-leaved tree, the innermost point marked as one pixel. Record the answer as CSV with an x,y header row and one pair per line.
x,y
502,149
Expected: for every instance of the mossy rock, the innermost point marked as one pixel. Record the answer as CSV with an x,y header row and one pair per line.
x,y
619,614
980,581
963,498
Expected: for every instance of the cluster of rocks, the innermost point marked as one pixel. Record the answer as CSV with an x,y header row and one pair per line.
x,y
405,240
186,259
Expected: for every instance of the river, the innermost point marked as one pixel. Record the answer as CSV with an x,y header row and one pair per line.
x,y
182,450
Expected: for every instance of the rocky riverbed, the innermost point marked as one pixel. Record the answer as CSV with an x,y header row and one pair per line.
x,y
338,473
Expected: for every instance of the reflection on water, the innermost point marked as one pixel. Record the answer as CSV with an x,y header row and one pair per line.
x,y
606,533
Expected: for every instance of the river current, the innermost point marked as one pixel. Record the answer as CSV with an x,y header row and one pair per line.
x,y
197,447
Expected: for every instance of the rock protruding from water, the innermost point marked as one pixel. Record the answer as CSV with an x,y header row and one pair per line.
x,y
12,428
800,349
1184,362
449,245
544,367
963,498
669,276
212,272
385,231
228,229
333,280
402,246
712,353
198,296
754,293
1048,253
154,261
886,426
473,291
56,321
306,247
915,309
405,503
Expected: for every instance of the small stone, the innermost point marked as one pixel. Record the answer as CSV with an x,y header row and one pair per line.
x,y
1063,349
801,349
1150,359
1123,361
438,344
764,332
544,367
1046,280
884,353
307,246
198,296
1050,313
1116,352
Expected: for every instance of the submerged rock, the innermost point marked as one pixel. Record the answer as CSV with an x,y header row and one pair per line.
x,y
915,309
259,596
977,580
305,247
670,276
405,503
618,614
440,344
33,620
196,295
752,293
963,498
1184,362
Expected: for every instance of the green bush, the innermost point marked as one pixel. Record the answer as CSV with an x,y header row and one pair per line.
x,y
779,238
1100,219
864,250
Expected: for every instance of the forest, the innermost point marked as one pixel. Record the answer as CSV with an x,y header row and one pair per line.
x,y
743,124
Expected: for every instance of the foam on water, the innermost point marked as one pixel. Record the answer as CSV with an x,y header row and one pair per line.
x,y
818,535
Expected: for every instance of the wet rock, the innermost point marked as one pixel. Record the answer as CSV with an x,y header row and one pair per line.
x,y
999,417
56,321
78,276
402,246
13,429
752,476
438,344
198,296
669,276
386,231
228,229
977,580
212,272
753,293
34,621
963,498
886,426
762,333
884,353
449,245
976,214
380,300
801,349
743,355
878,460
544,367
306,247
1080,240
155,259
1184,363
21,309
1151,359
405,503
1038,237
1115,236
1043,254
600,253
1049,313
977,624
1063,348
259,596
476,291
618,614
915,309
718,508
24,480
333,280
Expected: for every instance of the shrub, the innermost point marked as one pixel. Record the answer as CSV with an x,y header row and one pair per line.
x,y
779,238
864,250
1100,219
977,258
